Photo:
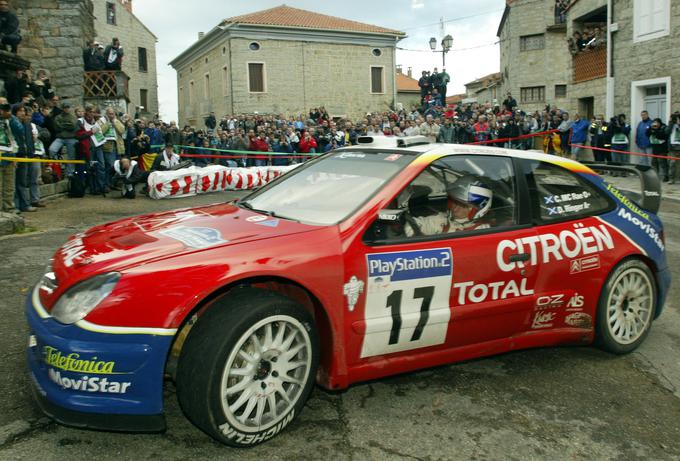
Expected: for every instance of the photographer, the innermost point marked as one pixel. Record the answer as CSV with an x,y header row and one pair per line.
x,y
658,138
128,173
619,130
673,136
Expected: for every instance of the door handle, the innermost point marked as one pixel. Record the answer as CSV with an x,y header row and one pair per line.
x,y
519,257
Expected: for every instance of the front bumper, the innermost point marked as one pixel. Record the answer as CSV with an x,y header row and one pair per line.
x,y
94,379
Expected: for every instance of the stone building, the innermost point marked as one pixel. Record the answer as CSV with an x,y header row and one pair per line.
x,y
534,56
485,89
632,71
408,91
287,60
54,33
115,18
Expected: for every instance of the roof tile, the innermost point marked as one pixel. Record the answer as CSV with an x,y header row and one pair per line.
x,y
287,16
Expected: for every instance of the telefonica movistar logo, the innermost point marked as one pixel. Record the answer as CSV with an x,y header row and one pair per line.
x,y
73,362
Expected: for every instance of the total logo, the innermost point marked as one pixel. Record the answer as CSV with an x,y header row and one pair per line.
x,y
544,248
470,293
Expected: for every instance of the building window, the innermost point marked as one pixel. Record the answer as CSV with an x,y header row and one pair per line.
x,y
532,94
377,52
224,50
532,42
377,79
191,92
144,100
256,77
206,86
560,91
181,96
254,46
111,13
141,59
225,81
651,19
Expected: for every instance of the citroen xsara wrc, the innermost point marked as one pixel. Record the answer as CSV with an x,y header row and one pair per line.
x,y
378,259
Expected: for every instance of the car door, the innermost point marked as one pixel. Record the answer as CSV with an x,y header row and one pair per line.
x,y
425,293
576,249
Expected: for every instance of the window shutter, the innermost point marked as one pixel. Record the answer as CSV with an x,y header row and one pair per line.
x,y
376,80
256,77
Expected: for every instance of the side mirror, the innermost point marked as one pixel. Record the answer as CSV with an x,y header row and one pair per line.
x,y
390,216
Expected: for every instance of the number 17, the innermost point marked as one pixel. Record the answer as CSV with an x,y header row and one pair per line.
x,y
394,302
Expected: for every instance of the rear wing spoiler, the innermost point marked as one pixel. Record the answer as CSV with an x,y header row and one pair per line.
x,y
649,196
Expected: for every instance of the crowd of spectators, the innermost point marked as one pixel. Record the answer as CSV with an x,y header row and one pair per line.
x,y
594,36
433,87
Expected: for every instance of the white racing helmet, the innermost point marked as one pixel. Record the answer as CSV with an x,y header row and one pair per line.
x,y
471,191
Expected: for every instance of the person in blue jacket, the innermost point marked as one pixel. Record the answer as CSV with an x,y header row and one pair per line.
x,y
579,134
644,146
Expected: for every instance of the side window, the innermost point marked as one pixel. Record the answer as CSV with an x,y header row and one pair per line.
x,y
558,194
453,194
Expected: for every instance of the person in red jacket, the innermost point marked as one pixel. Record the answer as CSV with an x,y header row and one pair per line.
x,y
258,144
308,144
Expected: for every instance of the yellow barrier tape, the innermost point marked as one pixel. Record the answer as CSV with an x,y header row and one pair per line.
x,y
38,160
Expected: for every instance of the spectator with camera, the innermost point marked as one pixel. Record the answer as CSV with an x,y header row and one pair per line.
x,y
113,55
619,131
658,140
673,135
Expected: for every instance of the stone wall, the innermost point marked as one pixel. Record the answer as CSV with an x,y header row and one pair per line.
x,y
408,100
299,75
133,34
546,67
651,59
54,34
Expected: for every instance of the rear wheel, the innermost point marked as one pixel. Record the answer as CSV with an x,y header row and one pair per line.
x,y
626,307
248,366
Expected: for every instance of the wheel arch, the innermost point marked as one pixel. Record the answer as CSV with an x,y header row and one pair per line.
x,y
280,285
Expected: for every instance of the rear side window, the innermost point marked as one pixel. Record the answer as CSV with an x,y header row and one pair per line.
x,y
558,194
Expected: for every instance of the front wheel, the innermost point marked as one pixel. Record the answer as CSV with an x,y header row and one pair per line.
x,y
248,366
626,307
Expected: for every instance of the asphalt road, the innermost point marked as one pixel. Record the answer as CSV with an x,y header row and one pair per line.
x,y
554,403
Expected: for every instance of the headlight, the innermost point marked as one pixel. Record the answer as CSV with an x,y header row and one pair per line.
x,y
81,299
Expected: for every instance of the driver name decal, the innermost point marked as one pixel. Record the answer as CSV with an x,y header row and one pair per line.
x,y
407,300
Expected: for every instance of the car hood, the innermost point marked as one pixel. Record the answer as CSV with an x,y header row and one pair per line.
x,y
133,241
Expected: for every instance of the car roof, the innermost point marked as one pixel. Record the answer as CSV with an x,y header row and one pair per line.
x,y
421,147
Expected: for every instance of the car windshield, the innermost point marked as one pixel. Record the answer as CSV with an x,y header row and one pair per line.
x,y
326,191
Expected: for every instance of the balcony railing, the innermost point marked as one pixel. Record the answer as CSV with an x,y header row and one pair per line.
x,y
590,64
106,84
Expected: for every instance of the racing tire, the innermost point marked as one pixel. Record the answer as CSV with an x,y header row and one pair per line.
x,y
626,307
248,366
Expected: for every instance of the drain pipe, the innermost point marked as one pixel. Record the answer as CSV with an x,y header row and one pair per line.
x,y
609,107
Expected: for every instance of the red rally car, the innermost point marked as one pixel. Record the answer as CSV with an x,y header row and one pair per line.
x,y
373,260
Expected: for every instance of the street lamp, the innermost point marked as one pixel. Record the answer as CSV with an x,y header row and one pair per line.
x,y
447,43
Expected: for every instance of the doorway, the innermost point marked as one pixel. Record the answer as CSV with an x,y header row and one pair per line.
x,y
586,108
655,101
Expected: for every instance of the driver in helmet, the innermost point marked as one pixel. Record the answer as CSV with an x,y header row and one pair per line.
x,y
469,201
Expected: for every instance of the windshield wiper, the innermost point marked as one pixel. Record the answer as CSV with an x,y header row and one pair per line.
x,y
273,214
247,205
